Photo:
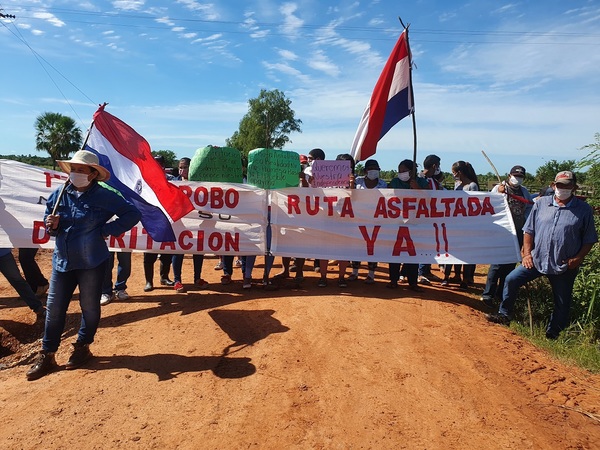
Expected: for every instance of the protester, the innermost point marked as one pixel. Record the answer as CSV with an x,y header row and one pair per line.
x,y
34,276
79,216
465,179
520,202
370,180
558,234
10,270
406,179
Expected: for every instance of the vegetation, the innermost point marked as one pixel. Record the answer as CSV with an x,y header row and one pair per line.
x,y
267,124
171,159
58,135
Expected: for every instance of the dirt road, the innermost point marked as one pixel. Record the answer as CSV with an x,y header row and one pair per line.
x,y
362,367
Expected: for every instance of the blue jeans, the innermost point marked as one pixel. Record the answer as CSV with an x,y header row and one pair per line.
x,y
562,291
62,286
9,268
123,272
494,284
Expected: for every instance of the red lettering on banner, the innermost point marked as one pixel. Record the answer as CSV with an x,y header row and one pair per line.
x,y
133,234
216,198
422,209
184,244
347,208
186,190
50,177
149,240
200,241
232,242
201,196
314,209
487,207
330,201
167,245
408,205
447,201
117,240
474,206
293,202
381,210
393,205
433,212
402,237
370,240
39,234
459,208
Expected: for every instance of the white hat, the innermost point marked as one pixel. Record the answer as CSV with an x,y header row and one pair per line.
x,y
89,159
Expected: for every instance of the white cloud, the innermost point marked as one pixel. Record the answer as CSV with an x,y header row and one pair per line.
x,y
319,61
287,54
50,18
206,9
291,23
128,5
165,21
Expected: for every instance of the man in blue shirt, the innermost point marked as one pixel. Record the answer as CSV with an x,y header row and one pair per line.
x,y
558,234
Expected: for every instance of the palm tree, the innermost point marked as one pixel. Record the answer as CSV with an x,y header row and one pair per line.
x,y
58,135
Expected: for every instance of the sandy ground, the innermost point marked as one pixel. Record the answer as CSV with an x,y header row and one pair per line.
x,y
300,367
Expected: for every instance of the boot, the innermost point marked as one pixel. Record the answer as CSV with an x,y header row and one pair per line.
x,y
44,364
81,354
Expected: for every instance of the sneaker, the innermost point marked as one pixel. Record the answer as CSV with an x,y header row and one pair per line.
x,y
81,354
166,282
105,299
41,290
424,280
226,279
149,287
498,318
44,364
369,280
401,279
219,265
238,263
178,287
122,294
247,283
445,283
322,282
353,277
202,284
342,283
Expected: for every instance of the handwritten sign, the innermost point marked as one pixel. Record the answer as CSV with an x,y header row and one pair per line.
x,y
331,174
273,169
217,164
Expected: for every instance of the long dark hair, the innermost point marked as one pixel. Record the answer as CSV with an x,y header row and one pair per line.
x,y
467,170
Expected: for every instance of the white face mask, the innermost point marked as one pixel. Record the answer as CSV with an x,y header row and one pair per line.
x,y
515,181
404,176
372,174
562,194
79,180
437,171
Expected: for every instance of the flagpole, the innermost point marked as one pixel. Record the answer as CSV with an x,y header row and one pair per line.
x,y
412,99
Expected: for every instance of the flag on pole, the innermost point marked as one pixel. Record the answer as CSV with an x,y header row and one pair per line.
x,y
390,102
136,175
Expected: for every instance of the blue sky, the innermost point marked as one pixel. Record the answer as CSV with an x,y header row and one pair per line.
x,y
516,79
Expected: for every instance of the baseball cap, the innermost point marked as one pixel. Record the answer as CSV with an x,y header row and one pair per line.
x,y
371,164
518,170
303,159
566,177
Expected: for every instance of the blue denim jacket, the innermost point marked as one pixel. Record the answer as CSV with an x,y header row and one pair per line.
x,y
83,226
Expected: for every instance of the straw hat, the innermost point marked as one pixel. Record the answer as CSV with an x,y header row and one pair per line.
x,y
89,159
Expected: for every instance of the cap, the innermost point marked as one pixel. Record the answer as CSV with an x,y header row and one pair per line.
x,y
86,158
566,177
518,170
303,159
371,164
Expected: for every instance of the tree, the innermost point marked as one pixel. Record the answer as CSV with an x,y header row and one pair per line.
x,y
546,173
58,135
267,124
592,162
169,156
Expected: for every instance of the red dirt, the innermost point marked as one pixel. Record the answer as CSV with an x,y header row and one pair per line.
x,y
308,367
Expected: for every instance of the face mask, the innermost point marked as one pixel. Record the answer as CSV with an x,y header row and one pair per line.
x,y
515,181
404,176
372,174
437,171
562,194
79,180
456,178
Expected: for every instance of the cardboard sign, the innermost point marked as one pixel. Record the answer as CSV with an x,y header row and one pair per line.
x,y
273,169
217,164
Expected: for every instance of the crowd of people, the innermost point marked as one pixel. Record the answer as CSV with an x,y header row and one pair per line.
x,y
555,233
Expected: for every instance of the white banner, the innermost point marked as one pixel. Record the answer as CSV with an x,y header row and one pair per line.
x,y
393,225
230,219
